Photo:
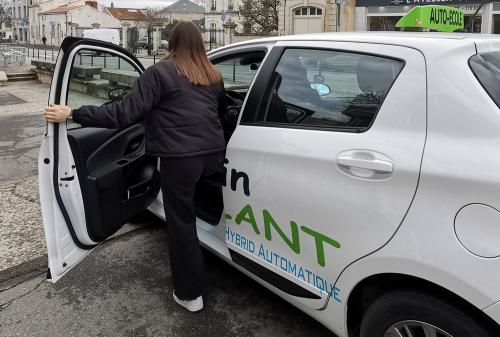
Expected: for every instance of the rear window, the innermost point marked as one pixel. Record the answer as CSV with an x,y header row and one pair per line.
x,y
486,67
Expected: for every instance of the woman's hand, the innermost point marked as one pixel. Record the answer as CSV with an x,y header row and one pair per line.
x,y
56,113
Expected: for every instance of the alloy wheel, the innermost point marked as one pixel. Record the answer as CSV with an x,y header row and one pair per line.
x,y
415,329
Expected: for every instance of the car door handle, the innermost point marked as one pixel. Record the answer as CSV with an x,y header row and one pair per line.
x,y
367,160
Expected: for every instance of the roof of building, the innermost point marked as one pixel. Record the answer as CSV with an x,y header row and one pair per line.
x,y
132,14
184,6
62,9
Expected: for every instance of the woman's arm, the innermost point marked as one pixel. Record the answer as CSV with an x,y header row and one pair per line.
x,y
121,114
144,95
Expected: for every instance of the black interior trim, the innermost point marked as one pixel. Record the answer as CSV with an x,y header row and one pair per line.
x,y
57,193
267,275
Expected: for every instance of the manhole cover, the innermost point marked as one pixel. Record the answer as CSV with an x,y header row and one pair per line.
x,y
9,99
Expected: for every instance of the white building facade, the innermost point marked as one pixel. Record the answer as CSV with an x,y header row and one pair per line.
x,y
71,20
218,13
20,21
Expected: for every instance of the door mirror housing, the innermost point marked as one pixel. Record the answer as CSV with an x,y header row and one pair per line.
x,y
321,88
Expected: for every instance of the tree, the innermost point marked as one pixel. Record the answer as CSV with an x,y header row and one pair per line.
x,y
260,16
5,13
151,14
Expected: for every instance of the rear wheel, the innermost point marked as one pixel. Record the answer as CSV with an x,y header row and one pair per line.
x,y
407,313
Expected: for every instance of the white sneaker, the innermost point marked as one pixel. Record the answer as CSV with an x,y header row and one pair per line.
x,y
193,305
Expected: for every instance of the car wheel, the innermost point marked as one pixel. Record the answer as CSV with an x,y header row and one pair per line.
x,y
407,313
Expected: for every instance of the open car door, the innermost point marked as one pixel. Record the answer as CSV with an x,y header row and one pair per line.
x,y
92,180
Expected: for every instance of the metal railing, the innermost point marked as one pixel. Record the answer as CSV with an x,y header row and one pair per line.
x,y
12,55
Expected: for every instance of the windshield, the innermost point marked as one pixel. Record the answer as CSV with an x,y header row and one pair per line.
x,y
486,67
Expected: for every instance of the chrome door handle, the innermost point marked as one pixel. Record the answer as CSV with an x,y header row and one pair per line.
x,y
377,165
373,161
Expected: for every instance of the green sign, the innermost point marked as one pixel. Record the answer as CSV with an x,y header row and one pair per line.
x,y
433,17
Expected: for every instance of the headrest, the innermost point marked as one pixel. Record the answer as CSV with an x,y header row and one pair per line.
x,y
291,69
375,75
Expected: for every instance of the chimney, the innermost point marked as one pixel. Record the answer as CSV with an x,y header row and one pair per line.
x,y
91,3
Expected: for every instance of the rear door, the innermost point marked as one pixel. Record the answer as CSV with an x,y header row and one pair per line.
x,y
91,180
325,162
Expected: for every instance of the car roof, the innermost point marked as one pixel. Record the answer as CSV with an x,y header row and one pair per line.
x,y
424,41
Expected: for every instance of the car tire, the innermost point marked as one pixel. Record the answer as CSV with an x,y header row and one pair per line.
x,y
391,314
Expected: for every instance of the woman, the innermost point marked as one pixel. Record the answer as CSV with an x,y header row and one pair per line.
x,y
179,101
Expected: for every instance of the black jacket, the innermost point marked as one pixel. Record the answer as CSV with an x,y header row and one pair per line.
x,y
180,119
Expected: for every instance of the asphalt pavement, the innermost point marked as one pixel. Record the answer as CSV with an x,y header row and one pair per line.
x,y
124,288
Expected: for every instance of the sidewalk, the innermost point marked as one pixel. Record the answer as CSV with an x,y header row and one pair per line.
x,y
124,288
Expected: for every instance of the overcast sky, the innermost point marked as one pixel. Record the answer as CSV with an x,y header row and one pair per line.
x,y
137,3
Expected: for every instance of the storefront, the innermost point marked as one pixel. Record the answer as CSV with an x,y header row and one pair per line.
x,y
382,15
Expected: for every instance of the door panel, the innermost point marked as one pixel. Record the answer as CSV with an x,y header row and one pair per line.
x,y
92,180
290,206
117,180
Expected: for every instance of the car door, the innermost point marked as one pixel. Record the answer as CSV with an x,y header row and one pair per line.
x,y
324,163
92,180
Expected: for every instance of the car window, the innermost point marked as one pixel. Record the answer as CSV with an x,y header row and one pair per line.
x,y
238,72
328,88
486,67
98,78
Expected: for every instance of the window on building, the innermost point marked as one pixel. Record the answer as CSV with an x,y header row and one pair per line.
x,y
230,5
214,5
308,11
319,88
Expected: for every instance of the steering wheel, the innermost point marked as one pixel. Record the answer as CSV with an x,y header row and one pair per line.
x,y
234,98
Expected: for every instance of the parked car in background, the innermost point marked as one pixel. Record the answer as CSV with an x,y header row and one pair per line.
x,y
103,34
144,44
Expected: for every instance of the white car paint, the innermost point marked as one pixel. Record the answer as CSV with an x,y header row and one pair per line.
x,y
439,128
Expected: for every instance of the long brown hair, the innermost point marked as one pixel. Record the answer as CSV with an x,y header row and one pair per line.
x,y
187,53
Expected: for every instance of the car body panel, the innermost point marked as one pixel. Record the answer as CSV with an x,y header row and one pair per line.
x,y
63,207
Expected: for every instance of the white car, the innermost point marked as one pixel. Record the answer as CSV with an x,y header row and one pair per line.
x,y
103,34
361,181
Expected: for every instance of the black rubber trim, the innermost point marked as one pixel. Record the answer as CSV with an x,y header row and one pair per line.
x,y
55,183
261,86
270,277
67,45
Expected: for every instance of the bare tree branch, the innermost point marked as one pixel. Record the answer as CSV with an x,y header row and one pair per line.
x,y
260,16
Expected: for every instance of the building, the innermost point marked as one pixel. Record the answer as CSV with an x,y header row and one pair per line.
x,y
182,10
305,16
383,14
218,13
20,21
134,22
71,20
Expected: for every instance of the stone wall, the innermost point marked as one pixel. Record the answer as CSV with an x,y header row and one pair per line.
x,y
241,37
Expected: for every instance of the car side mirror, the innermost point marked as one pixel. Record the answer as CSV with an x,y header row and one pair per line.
x,y
116,94
321,88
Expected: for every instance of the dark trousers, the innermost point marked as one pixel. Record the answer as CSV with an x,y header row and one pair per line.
x,y
179,177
